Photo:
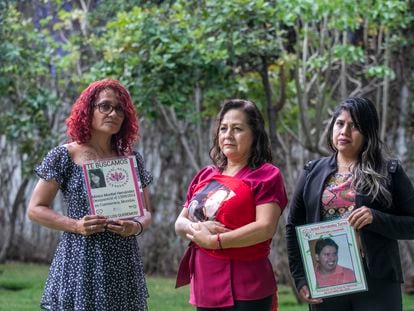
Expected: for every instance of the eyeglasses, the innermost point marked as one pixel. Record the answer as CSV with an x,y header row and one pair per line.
x,y
107,108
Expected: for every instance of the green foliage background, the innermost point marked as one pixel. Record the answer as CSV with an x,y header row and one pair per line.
x,y
164,50
180,59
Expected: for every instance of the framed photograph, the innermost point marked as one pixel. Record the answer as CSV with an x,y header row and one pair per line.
x,y
114,188
331,258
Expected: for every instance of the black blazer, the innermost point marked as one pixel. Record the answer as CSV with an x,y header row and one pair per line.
x,y
379,239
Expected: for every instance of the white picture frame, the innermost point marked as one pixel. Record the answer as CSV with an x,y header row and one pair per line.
x,y
348,276
114,188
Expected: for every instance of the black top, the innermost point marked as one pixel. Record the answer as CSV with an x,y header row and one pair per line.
x,y
379,239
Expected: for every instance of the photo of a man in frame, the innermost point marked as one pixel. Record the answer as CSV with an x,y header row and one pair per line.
x,y
327,270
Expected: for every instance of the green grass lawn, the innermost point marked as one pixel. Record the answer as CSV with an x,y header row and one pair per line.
x,y
21,286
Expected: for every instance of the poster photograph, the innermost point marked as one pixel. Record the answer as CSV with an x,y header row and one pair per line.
x,y
114,188
331,258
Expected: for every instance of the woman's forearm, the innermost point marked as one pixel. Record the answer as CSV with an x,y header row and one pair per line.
x,y
47,217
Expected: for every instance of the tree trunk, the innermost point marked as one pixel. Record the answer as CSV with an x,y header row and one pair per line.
x,y
19,200
343,79
386,87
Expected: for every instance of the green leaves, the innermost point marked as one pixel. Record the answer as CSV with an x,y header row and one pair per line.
x,y
349,53
380,72
392,14
25,104
167,52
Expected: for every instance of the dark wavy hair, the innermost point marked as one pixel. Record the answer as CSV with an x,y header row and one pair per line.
x,y
80,119
370,172
261,151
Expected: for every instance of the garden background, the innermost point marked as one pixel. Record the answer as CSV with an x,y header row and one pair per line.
x,y
296,59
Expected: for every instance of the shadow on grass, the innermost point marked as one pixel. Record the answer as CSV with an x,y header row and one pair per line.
x,y
11,286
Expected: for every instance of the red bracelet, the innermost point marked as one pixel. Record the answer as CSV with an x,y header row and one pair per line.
x,y
219,241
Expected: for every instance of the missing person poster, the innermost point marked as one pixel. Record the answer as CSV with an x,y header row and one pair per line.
x,y
114,188
331,258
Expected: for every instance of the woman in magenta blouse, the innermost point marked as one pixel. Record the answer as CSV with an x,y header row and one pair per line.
x,y
230,216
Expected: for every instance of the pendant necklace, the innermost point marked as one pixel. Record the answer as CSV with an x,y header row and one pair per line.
x,y
347,166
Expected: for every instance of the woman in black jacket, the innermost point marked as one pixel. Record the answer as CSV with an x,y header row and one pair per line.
x,y
360,183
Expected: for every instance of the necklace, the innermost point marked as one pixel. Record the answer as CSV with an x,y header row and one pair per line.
x,y
347,165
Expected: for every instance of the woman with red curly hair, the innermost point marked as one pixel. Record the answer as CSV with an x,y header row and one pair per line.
x,y
97,264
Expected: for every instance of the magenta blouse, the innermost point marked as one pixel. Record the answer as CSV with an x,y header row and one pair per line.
x,y
219,277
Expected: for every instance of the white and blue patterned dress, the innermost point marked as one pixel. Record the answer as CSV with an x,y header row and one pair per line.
x,y
103,271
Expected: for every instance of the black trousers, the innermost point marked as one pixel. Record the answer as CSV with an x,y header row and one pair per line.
x,y
382,295
245,305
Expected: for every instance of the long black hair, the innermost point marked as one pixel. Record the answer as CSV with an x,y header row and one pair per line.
x,y
370,171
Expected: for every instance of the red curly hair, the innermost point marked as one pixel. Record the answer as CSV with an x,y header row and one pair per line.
x,y
80,119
